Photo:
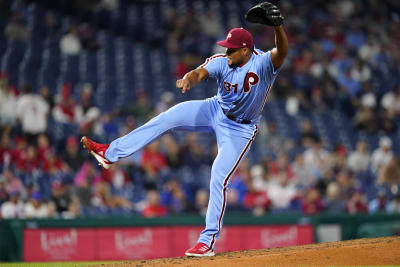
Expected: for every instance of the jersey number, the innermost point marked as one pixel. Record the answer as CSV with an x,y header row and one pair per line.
x,y
250,79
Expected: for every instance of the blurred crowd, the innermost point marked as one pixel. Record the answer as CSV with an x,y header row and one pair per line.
x,y
343,55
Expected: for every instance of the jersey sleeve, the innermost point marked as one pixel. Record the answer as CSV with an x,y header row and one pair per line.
x,y
214,65
267,68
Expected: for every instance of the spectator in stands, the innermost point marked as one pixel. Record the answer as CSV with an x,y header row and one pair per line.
x,y
85,180
324,180
153,206
65,109
382,155
316,158
358,160
32,111
14,208
357,203
102,197
36,208
16,28
173,196
29,160
366,120
6,151
192,153
65,202
394,205
3,190
53,163
12,182
379,203
307,134
333,202
210,24
46,94
281,164
260,175
152,162
167,100
87,38
70,44
19,151
129,125
72,156
350,86
44,148
271,138
338,157
281,191
240,180
142,108
233,203
256,200
391,102
87,114
389,174
346,183
115,176
171,152
303,175
387,123
312,203
107,128
8,101
360,71
52,25
201,202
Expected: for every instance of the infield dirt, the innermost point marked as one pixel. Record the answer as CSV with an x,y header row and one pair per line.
x,y
367,252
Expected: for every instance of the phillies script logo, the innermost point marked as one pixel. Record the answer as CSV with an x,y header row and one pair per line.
x,y
279,237
124,241
52,240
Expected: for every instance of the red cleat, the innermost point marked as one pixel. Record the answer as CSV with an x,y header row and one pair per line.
x,y
97,150
200,250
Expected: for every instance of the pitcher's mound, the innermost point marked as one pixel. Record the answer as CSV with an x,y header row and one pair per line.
x,y
367,251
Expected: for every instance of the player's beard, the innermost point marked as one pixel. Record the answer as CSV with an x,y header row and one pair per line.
x,y
234,65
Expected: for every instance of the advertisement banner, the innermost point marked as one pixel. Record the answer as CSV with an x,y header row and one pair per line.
x,y
49,244
258,237
127,243
133,243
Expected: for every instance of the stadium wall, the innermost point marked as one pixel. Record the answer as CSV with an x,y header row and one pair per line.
x,y
114,238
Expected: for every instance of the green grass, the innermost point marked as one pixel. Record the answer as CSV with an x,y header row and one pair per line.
x,y
56,264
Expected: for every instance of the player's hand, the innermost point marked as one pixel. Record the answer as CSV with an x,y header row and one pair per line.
x,y
183,84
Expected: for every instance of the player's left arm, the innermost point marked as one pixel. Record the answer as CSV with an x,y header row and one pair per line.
x,y
279,52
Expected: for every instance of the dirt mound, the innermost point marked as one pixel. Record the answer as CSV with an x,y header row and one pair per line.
x,y
368,251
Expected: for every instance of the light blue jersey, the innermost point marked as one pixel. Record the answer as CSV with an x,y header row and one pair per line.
x,y
243,91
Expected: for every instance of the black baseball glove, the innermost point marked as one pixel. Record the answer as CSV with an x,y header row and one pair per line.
x,y
264,13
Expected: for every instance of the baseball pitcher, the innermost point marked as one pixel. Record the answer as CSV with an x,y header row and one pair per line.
x,y
244,75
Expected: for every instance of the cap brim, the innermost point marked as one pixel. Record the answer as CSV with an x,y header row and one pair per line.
x,y
225,44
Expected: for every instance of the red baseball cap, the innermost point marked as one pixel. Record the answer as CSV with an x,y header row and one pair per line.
x,y
237,38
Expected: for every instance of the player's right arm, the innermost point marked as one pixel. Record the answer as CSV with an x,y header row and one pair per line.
x,y
191,79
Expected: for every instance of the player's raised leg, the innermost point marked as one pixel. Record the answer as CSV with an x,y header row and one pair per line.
x,y
232,149
191,115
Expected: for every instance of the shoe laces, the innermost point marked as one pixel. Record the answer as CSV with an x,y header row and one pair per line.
x,y
200,245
